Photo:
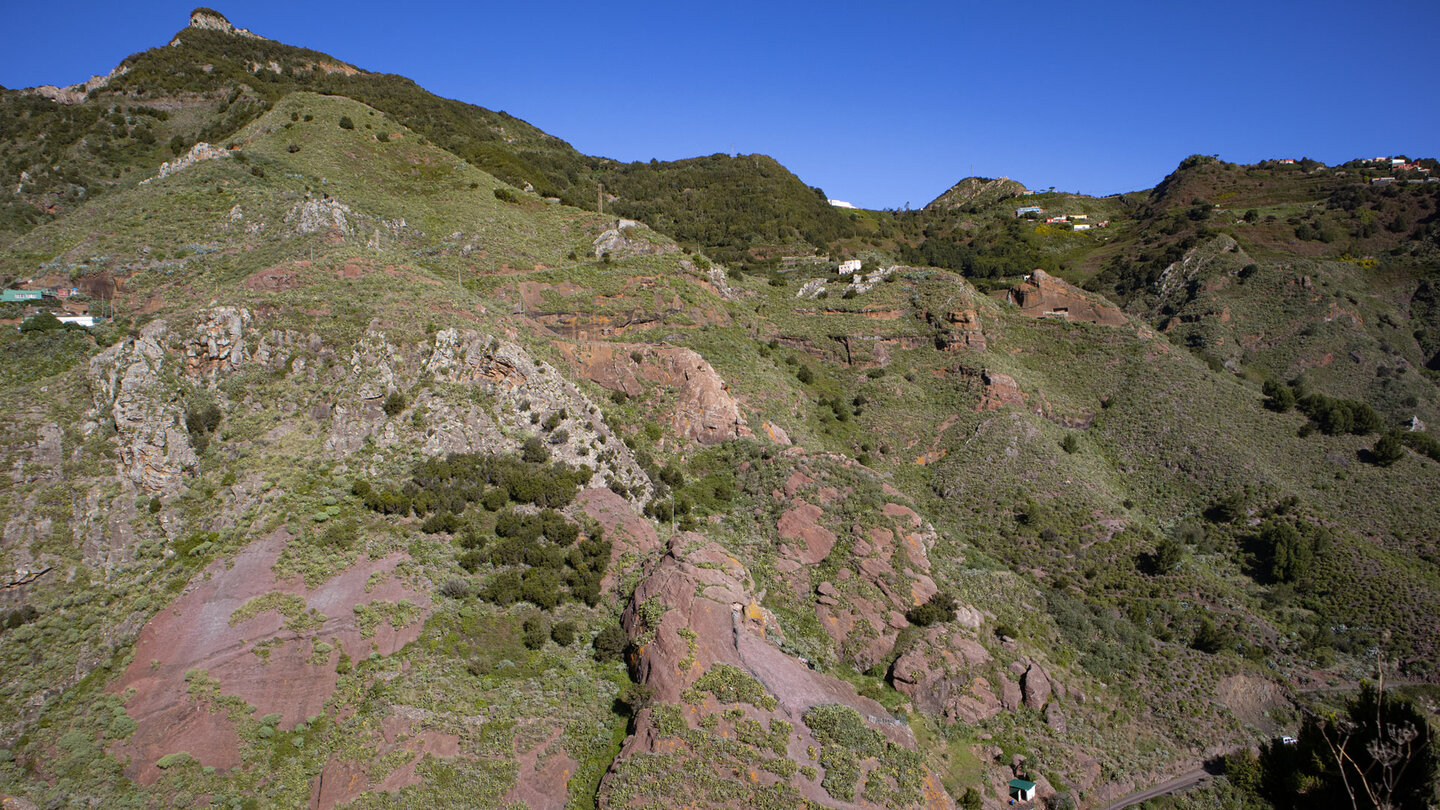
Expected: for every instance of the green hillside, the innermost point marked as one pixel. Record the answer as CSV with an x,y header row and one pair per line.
x,y
386,481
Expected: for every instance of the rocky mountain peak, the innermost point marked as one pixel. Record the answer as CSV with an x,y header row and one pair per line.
x,y
977,191
209,19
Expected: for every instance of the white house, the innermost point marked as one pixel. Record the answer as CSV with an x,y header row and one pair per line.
x,y
849,266
1081,226
1029,210
79,320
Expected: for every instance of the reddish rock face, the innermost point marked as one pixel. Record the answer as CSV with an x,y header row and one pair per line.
x,y
1036,685
1044,296
624,527
704,412
1001,391
341,781
199,631
800,524
707,593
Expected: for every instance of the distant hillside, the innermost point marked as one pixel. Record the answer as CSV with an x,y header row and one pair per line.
x,y
977,192
726,204
210,81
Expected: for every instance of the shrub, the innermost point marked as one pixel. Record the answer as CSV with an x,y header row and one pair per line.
x,y
611,643
456,588
1168,555
1388,449
340,534
395,404
1422,443
1211,639
535,631
495,499
175,760
1278,396
939,608
563,633
441,521
345,122
1069,444
534,452
805,375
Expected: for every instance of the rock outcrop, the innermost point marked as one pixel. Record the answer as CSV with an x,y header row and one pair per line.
x,y
629,238
128,387
695,615
205,19
217,345
960,329
198,152
950,674
76,93
704,410
312,215
253,636
530,392
1044,296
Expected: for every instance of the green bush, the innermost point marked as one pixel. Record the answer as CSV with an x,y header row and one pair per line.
x,y
395,404
611,643
1422,443
1389,449
534,451
563,633
44,322
175,760
1278,396
535,631
346,123
940,607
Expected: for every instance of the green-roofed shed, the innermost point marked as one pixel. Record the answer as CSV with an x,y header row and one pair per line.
x,y
1022,789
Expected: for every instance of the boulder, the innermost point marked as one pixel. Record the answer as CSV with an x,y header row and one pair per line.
x,y
1036,686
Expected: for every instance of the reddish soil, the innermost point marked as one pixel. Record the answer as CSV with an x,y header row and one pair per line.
x,y
195,633
274,279
341,781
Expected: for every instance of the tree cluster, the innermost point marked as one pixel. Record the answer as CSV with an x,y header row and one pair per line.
x,y
453,483
1377,753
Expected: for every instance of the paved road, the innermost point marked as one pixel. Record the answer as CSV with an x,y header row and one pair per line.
x,y
1175,785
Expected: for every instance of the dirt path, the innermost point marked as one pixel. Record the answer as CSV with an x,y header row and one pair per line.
x,y
1179,783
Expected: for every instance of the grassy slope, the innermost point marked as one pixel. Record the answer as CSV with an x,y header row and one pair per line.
x,y
1021,524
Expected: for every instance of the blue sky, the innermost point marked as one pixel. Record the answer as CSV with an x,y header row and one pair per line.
x,y
879,105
